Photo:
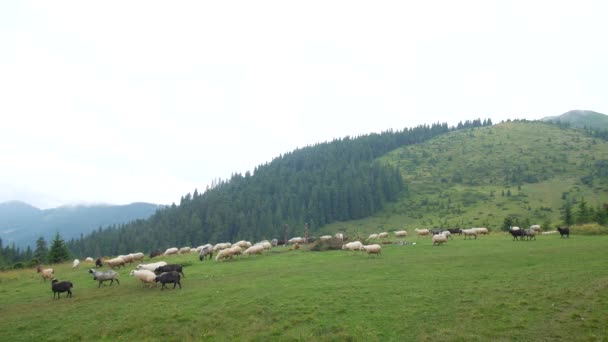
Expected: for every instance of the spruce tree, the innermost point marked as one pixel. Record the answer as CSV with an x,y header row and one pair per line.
x,y
41,251
59,251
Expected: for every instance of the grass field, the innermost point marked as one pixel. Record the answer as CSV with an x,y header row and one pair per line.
x,y
492,288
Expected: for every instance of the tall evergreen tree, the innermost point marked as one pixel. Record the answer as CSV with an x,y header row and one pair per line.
x,y
59,251
41,252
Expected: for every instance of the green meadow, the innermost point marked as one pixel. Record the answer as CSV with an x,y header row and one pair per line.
x,y
491,288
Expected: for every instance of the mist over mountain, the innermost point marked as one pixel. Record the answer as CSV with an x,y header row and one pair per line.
x,y
22,223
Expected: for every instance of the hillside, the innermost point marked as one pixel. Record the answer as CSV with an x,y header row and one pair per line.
x,y
22,224
581,119
525,171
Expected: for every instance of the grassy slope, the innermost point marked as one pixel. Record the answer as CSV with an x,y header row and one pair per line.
x,y
457,180
487,289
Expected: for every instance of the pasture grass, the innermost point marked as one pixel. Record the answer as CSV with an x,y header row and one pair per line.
x,y
492,288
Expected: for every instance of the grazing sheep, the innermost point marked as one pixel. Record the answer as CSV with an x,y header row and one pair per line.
x,y
170,268
401,233
167,278
438,239
152,266
469,232
422,231
275,242
339,236
295,240
236,250
447,234
104,276
325,238
435,231
184,250
530,234
75,263
481,231
155,253
118,261
383,235
535,227
517,234
139,256
265,244
255,249
64,286
226,254
372,249
564,232
353,246
98,262
243,244
204,251
146,277
47,273
372,236
171,251
89,260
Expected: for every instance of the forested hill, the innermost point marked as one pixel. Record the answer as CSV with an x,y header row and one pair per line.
x,y
327,182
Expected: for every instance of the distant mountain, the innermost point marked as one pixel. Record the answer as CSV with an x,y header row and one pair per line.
x,y
22,224
581,119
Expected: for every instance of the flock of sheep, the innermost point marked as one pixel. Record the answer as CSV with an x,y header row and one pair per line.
x,y
153,273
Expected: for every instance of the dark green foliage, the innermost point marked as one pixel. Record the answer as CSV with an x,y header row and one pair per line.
x,y
42,250
59,251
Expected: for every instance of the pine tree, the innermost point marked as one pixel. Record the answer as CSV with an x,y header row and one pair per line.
x,y
41,251
59,251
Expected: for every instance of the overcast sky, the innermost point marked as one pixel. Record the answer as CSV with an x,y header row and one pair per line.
x,y
125,101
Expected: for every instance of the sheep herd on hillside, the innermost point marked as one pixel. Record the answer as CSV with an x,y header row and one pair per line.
x,y
152,273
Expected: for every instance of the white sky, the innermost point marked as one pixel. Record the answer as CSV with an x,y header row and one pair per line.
x,y
124,101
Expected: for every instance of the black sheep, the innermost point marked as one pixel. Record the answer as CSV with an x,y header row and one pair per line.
x,y
517,234
63,286
98,262
155,253
169,277
564,232
169,268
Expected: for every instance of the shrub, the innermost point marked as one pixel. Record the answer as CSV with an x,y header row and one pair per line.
x,y
589,229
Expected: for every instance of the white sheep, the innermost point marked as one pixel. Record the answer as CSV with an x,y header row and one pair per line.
x,y
255,249
220,246
243,244
535,227
481,231
372,249
151,266
438,239
422,231
118,261
171,251
236,250
184,250
325,238
47,273
146,276
224,254
447,234
372,236
89,260
353,246
137,256
75,263
295,240
401,233
339,236
265,244
382,235
469,233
